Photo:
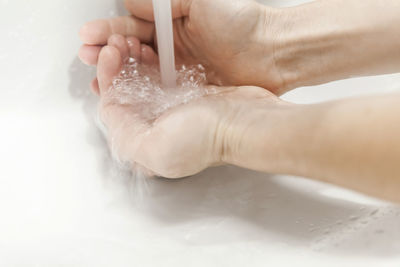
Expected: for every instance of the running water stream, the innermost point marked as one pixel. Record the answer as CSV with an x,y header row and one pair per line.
x,y
165,41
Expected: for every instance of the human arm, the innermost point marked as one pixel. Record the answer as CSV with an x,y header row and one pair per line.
x,y
323,41
353,143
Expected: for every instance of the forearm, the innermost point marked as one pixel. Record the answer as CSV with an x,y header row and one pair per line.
x,y
336,39
353,143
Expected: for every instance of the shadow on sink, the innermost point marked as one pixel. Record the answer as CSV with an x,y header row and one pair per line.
x,y
229,204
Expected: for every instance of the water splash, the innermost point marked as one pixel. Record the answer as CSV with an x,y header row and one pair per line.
x,y
139,86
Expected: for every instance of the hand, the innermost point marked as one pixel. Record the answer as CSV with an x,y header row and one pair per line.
x,y
186,139
228,37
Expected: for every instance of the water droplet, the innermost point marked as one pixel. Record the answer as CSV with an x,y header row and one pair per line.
x,y
374,212
131,60
354,218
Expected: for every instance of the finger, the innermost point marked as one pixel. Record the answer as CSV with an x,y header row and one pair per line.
x,y
144,8
94,85
89,54
119,42
109,65
148,55
97,32
134,48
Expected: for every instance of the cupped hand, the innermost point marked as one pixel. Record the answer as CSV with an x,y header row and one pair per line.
x,y
185,139
232,39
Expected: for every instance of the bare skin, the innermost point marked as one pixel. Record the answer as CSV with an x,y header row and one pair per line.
x,y
231,54
186,139
245,43
352,143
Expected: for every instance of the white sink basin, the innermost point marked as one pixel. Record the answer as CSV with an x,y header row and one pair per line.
x,y
64,203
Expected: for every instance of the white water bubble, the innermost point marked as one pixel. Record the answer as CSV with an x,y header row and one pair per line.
x,y
139,86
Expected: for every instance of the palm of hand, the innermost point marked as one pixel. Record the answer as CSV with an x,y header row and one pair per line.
x,y
191,137
186,139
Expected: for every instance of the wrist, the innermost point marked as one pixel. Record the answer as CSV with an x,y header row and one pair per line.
x,y
265,137
279,41
312,48
262,70
296,46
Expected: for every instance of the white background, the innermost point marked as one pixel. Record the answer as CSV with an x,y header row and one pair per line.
x,y
63,202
